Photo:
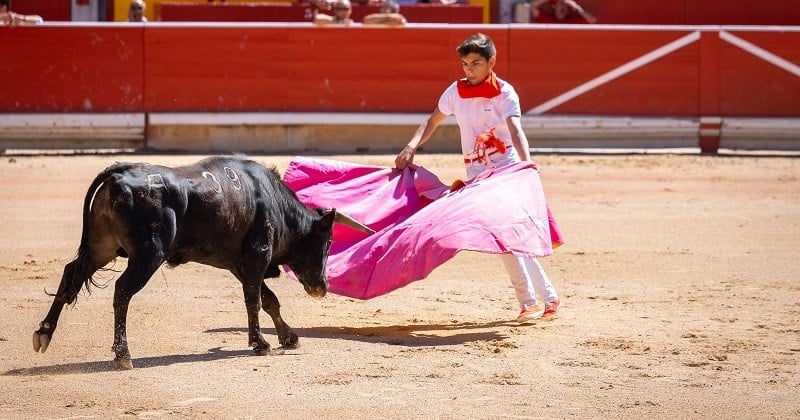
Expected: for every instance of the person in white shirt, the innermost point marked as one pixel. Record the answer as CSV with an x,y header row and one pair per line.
x,y
488,113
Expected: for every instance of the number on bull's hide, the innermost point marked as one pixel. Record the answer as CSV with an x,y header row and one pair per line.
x,y
234,177
208,175
154,181
236,182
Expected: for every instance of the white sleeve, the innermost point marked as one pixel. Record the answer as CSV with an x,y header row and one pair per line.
x,y
446,101
510,104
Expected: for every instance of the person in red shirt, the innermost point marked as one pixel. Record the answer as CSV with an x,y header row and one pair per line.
x,y
560,11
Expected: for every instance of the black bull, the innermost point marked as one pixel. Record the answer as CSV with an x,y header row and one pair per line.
x,y
226,212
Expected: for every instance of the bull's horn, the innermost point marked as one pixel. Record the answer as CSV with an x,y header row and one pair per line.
x,y
349,221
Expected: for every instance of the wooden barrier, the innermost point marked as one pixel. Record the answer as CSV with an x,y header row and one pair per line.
x,y
302,68
707,75
70,68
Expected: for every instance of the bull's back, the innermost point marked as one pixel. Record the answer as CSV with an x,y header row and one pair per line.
x,y
200,212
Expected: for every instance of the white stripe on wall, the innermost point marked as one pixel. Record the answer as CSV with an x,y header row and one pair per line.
x,y
617,72
760,53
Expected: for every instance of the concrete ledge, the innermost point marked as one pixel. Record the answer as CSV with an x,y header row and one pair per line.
x,y
261,132
90,131
587,131
760,133
286,118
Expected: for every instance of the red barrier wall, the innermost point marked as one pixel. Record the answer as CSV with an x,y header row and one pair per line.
x,y
553,61
71,68
287,12
302,68
750,85
688,71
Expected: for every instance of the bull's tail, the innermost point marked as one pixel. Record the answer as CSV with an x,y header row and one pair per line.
x,y
80,272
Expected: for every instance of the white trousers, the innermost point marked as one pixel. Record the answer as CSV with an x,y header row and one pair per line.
x,y
528,278
527,275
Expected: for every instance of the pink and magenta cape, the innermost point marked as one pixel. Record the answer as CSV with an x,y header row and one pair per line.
x,y
419,222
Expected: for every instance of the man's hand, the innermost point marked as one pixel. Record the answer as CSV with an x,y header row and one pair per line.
x,y
404,158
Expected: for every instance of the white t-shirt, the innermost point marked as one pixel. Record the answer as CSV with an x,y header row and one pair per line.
x,y
477,119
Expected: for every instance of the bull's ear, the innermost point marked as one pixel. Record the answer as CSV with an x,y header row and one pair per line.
x,y
327,218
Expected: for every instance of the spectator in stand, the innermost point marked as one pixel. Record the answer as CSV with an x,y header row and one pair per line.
x,y
7,17
341,13
136,11
560,11
389,15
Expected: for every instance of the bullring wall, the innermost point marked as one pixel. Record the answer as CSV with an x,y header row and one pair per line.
x,y
284,86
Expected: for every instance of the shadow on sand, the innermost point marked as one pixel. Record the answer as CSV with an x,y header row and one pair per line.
x,y
398,335
430,335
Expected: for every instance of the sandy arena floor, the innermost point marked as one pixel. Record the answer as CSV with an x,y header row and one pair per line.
x,y
680,279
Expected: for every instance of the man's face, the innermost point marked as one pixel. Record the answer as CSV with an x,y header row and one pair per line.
x,y
342,10
476,67
136,12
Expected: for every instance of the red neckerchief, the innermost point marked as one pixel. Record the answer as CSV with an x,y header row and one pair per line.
x,y
489,88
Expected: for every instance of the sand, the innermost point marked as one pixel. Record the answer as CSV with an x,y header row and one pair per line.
x,y
680,281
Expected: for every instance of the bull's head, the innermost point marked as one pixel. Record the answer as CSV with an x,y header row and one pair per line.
x,y
312,253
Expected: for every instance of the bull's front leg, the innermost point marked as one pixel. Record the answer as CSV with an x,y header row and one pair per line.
x,y
252,303
286,336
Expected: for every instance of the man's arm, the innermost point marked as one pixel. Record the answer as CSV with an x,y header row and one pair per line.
x,y
423,133
518,138
12,18
323,19
385,19
588,17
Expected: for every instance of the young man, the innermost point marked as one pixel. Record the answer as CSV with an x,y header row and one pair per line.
x,y
488,113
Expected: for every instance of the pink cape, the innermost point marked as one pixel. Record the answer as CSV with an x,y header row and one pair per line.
x,y
419,223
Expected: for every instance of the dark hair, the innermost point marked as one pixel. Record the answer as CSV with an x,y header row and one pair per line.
x,y
6,3
478,43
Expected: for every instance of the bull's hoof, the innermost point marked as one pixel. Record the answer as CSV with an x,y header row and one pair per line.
x,y
123,364
41,340
290,341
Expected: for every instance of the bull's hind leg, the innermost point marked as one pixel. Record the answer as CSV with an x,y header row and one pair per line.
x,y
76,274
286,336
133,279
